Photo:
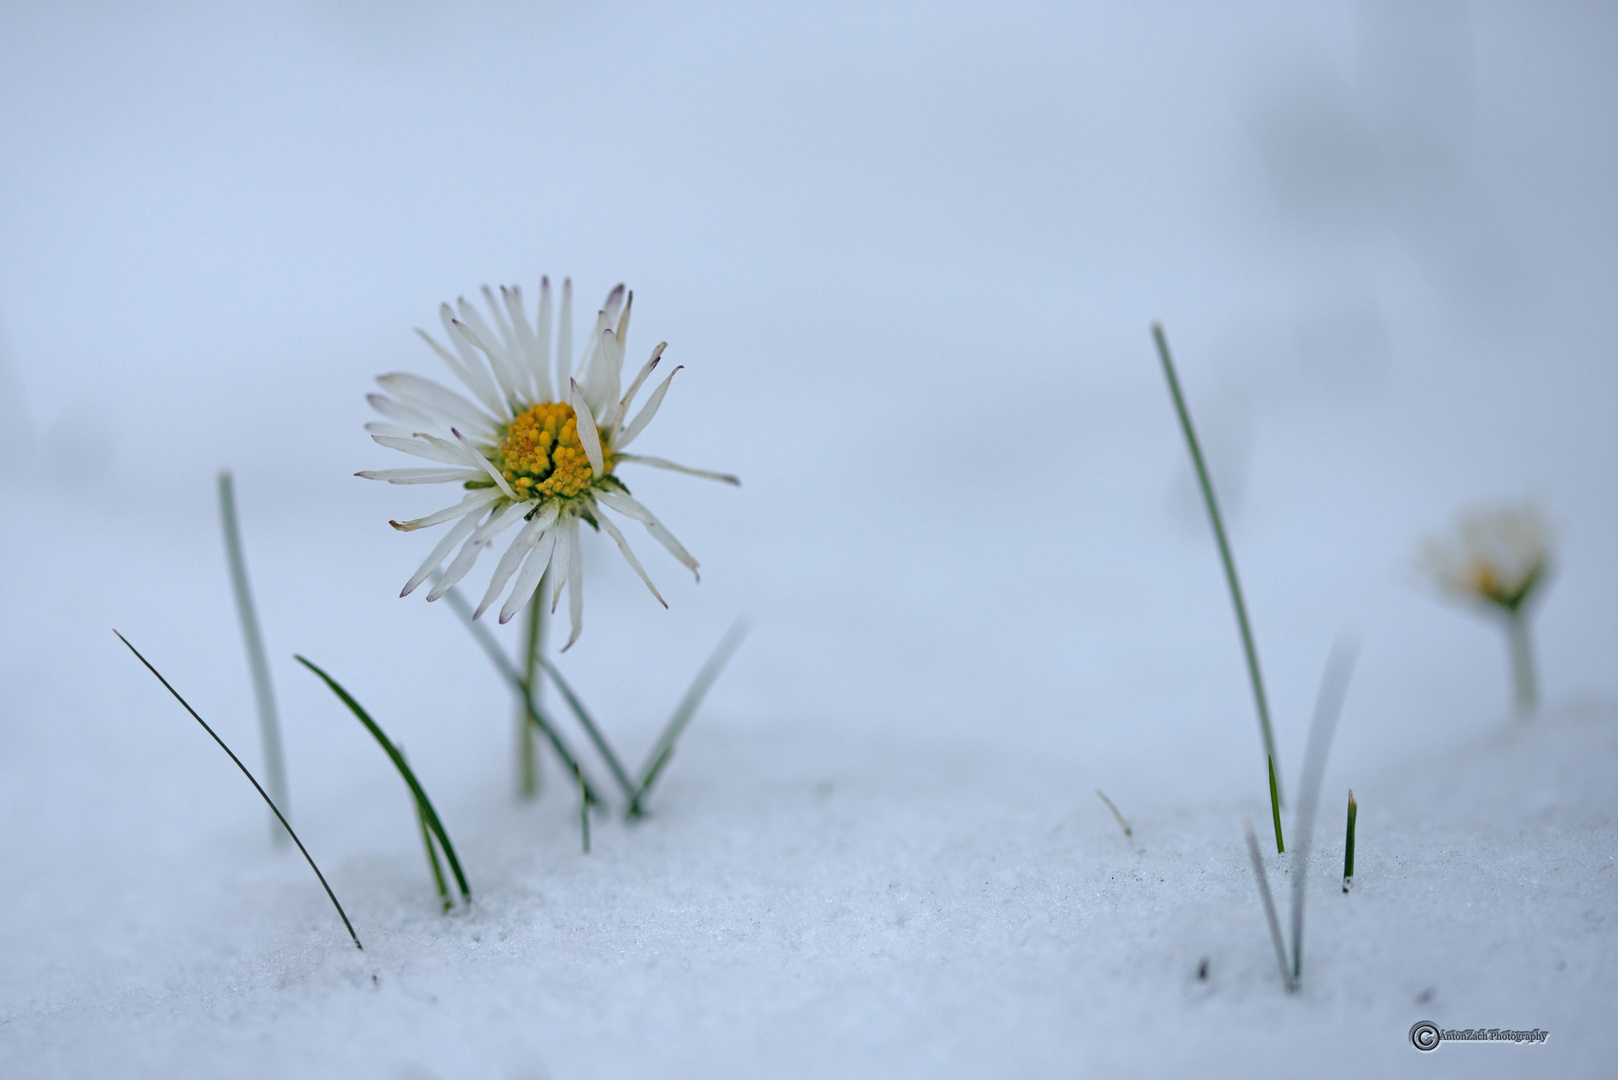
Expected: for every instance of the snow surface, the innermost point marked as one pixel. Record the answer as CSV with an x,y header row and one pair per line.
x,y
909,258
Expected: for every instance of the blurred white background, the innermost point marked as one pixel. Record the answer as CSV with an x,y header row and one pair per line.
x,y
909,255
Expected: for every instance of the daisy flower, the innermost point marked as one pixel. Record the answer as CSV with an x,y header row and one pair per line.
x,y
535,446
1498,558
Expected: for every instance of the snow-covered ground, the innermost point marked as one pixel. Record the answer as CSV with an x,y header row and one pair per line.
x,y
909,257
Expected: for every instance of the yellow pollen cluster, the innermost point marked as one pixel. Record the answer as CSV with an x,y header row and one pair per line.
x,y
541,454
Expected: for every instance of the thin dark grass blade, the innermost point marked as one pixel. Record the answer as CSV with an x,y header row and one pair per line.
x,y
1269,908
1225,556
535,715
584,815
585,721
256,786
1348,843
432,853
269,727
663,749
1328,707
1275,810
422,801
1122,824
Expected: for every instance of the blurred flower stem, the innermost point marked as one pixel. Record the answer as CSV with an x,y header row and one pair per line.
x,y
1522,661
269,728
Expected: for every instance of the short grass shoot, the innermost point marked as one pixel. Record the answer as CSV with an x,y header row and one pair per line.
x,y
280,817
1216,520
1348,843
424,806
275,773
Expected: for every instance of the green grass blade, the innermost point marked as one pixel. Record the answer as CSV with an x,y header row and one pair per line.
x,y
663,749
614,766
1275,810
256,786
536,716
432,853
1348,844
422,802
269,727
1206,483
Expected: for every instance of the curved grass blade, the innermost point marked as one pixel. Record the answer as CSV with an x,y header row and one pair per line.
x,y
269,728
423,803
432,853
1122,824
256,786
663,749
590,729
535,715
1225,556
1328,707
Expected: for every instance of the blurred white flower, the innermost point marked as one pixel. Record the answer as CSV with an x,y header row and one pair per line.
x,y
531,448
1497,556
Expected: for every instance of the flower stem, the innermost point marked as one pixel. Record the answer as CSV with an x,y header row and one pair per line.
x,y
527,747
1229,561
269,729
1522,663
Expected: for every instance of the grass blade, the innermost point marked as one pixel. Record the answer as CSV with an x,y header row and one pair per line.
x,y
1269,908
590,729
1275,810
1229,561
269,728
1122,824
432,853
256,786
1328,707
663,749
1348,844
535,716
423,803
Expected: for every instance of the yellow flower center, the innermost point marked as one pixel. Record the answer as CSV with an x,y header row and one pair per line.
x,y
541,455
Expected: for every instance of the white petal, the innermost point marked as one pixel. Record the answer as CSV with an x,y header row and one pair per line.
x,y
442,404
421,476
392,431
664,463
629,555
564,337
609,306
397,411
475,500
629,507
634,388
421,446
575,584
488,466
644,417
477,373
521,546
475,332
539,376
472,377
586,427
528,580
559,564
430,563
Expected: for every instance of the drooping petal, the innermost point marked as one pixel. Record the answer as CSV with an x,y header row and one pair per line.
x,y
441,549
521,546
474,500
644,417
487,465
575,584
630,507
586,427
559,564
629,555
475,546
528,579
422,476
664,463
